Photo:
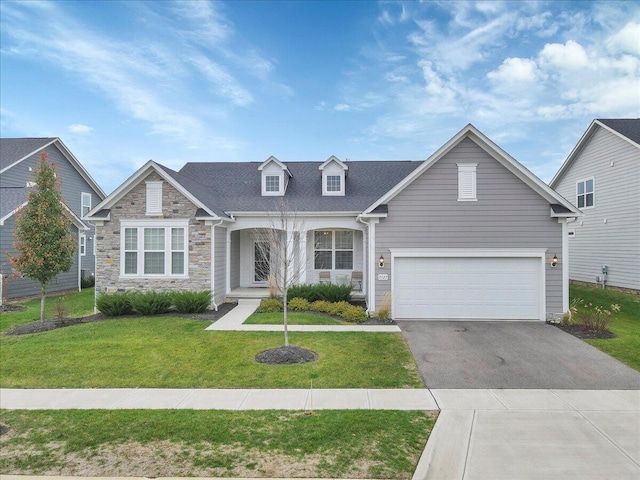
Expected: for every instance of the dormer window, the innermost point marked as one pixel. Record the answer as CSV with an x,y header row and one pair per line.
x,y
275,175
334,173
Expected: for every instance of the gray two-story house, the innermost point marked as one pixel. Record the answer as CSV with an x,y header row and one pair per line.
x,y
468,233
601,176
19,158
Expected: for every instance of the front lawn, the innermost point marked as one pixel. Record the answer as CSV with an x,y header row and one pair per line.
x,y
181,443
625,324
175,352
293,318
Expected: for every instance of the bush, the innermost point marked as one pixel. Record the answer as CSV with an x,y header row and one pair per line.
x,y
191,302
320,306
87,282
384,314
321,291
115,304
151,303
339,308
269,305
354,314
593,318
298,304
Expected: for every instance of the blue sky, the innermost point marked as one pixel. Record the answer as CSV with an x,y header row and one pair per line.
x,y
124,82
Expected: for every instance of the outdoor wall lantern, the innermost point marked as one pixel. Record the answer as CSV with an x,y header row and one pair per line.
x,y
554,261
381,262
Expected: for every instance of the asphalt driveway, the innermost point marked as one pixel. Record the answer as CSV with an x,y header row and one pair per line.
x,y
529,355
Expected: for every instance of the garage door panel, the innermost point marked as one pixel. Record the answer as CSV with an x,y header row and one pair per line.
x,y
465,288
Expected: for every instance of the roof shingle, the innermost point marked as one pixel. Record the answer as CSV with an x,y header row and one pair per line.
x,y
13,149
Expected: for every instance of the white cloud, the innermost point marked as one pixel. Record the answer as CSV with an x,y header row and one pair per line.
x,y
80,129
516,70
568,56
627,40
342,107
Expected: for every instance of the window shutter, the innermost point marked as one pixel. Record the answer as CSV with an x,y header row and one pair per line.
x,y
154,198
467,181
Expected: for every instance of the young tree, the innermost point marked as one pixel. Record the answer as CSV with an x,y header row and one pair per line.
x,y
43,242
277,244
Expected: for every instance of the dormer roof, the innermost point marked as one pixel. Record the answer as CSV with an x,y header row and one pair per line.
x,y
277,162
335,159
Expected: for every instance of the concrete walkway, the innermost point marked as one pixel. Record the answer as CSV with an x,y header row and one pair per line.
x,y
234,321
480,434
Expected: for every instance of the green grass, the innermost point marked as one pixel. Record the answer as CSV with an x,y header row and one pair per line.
x,y
77,304
624,324
369,444
293,318
179,353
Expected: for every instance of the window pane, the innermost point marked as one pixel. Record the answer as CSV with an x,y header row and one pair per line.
x,y
589,187
322,261
177,263
154,238
322,239
344,240
580,188
130,238
272,183
177,239
131,263
580,201
333,183
344,260
589,202
153,262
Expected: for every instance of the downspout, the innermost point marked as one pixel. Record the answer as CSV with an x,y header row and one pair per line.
x,y
370,266
213,263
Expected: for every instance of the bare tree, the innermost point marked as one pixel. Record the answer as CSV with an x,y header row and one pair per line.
x,y
278,247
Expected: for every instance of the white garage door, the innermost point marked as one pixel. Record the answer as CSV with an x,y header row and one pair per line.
x,y
467,288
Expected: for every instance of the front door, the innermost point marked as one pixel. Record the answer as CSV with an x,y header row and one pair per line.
x,y
261,261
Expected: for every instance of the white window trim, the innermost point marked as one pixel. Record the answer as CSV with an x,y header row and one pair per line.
x,y
277,193
325,178
585,192
149,223
154,188
467,171
84,196
83,245
333,250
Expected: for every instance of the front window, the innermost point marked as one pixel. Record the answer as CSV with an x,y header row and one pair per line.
x,y
86,203
585,193
333,250
154,251
272,183
83,245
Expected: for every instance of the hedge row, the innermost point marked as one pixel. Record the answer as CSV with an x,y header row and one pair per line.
x,y
327,292
345,310
152,303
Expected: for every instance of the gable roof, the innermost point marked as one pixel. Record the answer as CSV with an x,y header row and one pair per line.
x,y
188,186
502,157
15,150
335,159
627,129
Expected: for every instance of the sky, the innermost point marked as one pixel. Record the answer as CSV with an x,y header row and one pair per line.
x,y
122,82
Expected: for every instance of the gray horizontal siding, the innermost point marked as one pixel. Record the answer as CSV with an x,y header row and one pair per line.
x,y
508,214
615,243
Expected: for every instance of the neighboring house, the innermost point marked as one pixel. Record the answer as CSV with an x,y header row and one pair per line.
x,y
469,233
601,176
19,158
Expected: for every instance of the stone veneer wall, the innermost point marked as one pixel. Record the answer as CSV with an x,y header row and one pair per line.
x,y
133,206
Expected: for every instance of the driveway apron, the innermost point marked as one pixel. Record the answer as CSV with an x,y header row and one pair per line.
x,y
526,355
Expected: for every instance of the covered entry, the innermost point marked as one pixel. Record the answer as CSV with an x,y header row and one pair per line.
x,y
483,284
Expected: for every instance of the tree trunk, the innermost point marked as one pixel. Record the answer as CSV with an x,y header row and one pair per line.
x,y
42,294
286,329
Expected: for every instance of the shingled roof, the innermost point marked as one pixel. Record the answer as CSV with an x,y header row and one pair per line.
x,y
14,149
236,187
629,127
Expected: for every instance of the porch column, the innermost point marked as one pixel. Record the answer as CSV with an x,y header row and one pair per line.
x,y
302,257
228,252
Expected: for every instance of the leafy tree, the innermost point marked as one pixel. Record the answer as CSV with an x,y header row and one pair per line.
x,y
44,244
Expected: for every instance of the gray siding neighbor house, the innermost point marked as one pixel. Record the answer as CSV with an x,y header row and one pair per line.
x,y
601,176
19,158
469,233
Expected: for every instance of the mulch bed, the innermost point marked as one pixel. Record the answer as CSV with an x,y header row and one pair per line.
x,y
8,308
580,332
47,325
286,356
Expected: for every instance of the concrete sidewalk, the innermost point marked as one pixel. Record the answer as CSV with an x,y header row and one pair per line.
x,y
234,321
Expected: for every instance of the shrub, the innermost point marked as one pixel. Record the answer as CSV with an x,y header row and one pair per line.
x,y
320,306
270,305
61,308
354,314
87,282
321,291
596,318
191,302
298,304
384,314
115,304
151,303
339,308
